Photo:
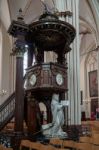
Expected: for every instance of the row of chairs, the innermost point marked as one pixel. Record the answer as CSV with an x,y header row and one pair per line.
x,y
58,144
85,143
93,138
92,125
72,144
55,144
35,145
4,148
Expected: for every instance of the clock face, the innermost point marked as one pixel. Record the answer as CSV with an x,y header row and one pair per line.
x,y
32,79
59,79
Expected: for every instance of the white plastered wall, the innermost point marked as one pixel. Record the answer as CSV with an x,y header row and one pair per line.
x,y
6,60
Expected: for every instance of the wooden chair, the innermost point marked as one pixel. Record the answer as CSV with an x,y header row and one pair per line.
x,y
83,146
30,145
85,139
95,147
95,126
35,145
94,132
1,147
47,147
95,139
25,143
7,148
10,126
56,142
69,144
62,149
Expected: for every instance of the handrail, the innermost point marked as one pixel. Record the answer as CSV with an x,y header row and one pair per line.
x,y
7,101
7,110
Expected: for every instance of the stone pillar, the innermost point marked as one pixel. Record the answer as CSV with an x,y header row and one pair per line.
x,y
73,95
98,71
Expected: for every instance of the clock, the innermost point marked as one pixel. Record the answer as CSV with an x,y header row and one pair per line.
x,y
59,79
32,79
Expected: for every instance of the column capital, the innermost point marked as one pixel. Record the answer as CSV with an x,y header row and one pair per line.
x,y
19,51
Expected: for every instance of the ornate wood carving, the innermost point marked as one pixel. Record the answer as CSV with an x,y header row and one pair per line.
x,y
34,116
42,79
46,77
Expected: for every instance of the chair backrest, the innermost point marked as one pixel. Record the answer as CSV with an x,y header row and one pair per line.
x,y
47,147
35,145
1,147
95,147
30,145
56,142
5,148
69,143
83,146
61,149
25,143
85,139
95,139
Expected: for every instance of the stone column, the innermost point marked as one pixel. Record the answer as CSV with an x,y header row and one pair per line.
x,y
0,66
73,95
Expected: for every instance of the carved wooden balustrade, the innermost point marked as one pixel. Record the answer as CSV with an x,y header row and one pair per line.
x,y
7,110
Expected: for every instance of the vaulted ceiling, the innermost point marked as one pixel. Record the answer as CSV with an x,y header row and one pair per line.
x,y
31,9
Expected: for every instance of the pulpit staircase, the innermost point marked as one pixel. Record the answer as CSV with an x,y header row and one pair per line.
x,y
7,111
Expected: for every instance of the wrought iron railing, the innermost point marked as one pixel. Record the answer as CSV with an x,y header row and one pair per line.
x,y
7,110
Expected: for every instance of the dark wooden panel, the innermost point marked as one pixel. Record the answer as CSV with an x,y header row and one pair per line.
x,y
33,116
46,77
19,96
